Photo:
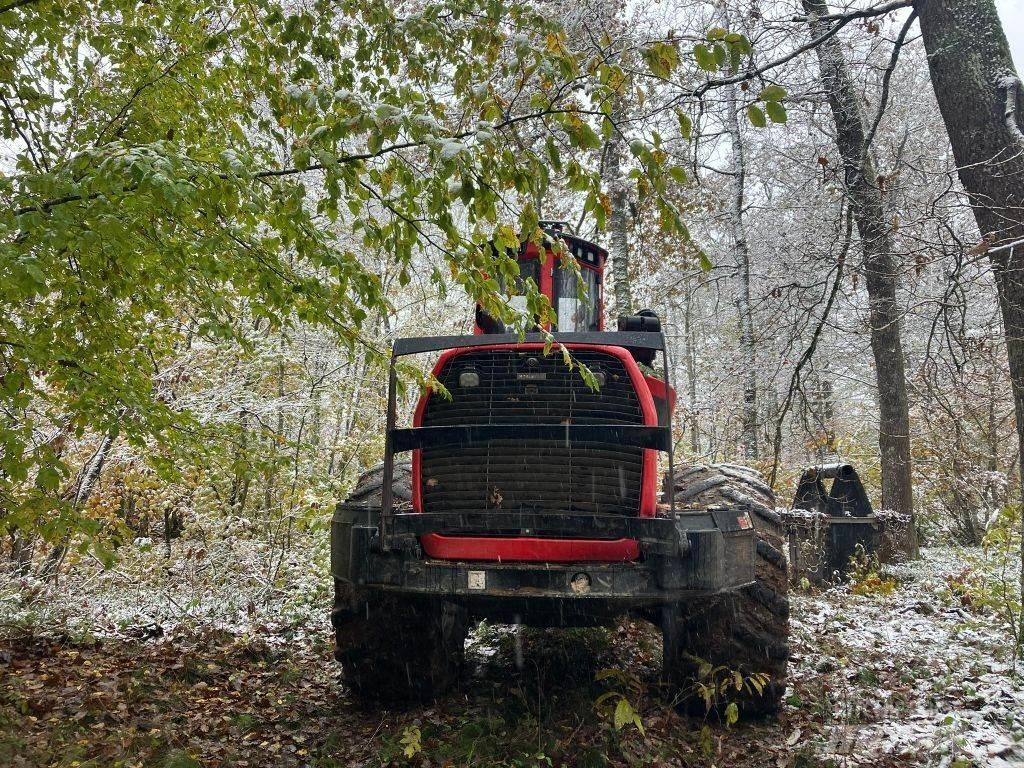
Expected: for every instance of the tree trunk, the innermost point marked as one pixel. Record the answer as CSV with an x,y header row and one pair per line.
x,y
278,437
335,434
823,410
21,552
691,369
748,352
78,494
979,95
618,229
880,267
241,458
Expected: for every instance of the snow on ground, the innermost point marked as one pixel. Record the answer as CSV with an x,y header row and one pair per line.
x,y
220,581
915,675
912,673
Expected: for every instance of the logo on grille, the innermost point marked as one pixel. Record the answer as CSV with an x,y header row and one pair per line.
x,y
538,376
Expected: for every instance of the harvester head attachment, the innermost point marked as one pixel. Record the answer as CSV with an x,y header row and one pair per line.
x,y
831,522
845,498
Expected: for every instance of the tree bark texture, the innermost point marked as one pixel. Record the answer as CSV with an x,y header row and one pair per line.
x,y
78,494
881,268
691,368
618,229
748,351
979,95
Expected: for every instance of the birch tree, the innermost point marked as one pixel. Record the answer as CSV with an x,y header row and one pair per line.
x,y
615,173
738,171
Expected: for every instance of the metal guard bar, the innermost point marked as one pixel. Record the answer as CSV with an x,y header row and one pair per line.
x,y
566,523
657,536
637,340
635,436
585,524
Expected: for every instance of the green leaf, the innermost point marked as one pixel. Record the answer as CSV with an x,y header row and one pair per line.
x,y
732,713
705,58
678,173
410,741
624,714
775,111
685,124
720,55
301,157
704,261
553,153
103,553
756,116
589,378
587,137
662,59
773,93
717,33
48,478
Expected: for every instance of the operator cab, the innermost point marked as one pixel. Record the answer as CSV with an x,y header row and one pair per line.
x,y
557,284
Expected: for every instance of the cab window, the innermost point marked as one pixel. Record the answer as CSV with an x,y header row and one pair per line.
x,y
529,269
574,315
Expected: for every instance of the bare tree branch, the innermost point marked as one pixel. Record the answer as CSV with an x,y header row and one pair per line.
x,y
841,20
884,98
794,382
355,158
16,4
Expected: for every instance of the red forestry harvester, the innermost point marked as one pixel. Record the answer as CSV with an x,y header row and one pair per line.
x,y
528,497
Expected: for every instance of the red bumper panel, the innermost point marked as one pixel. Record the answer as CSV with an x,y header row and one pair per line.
x,y
526,549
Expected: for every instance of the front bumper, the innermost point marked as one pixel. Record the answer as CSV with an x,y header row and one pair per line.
x,y
695,553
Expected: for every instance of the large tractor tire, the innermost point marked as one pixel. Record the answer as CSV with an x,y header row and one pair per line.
x,y
391,648
706,642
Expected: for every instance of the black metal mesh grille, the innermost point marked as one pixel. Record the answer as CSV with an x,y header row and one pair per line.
x,y
524,387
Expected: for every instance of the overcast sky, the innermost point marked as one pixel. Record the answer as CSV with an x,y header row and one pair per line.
x,y
1012,14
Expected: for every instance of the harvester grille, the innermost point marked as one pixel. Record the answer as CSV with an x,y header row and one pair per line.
x,y
524,387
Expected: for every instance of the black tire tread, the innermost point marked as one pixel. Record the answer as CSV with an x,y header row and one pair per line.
x,y
748,630
369,488
394,648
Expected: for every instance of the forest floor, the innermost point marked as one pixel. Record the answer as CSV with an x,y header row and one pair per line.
x,y
223,658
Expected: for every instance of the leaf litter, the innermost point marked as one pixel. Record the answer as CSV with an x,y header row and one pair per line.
x,y
220,655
